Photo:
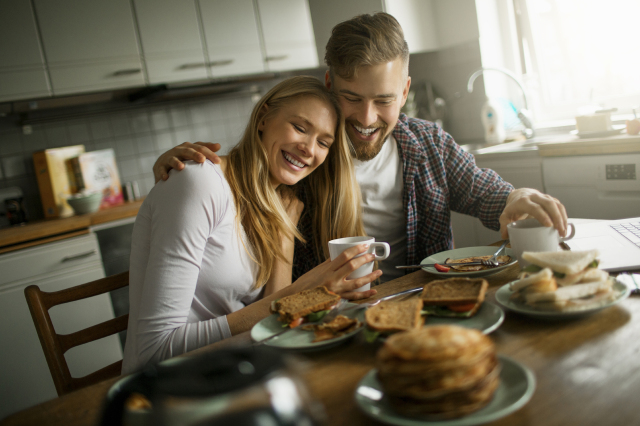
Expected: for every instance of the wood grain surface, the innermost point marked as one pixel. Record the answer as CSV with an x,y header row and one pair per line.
x,y
586,369
42,231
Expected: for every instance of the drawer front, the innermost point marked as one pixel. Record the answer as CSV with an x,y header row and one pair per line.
x,y
291,57
98,76
23,84
173,69
30,263
227,62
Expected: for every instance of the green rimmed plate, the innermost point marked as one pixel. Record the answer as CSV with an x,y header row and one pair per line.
x,y
467,252
517,384
503,297
299,339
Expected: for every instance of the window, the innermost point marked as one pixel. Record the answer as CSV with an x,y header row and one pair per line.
x,y
574,56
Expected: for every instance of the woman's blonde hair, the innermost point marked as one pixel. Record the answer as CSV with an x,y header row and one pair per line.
x,y
333,192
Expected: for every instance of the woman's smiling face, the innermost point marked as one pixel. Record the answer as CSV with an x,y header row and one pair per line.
x,y
297,138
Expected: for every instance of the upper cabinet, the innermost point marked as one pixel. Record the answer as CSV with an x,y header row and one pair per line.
x,y
89,45
289,42
22,70
428,25
65,47
171,40
232,37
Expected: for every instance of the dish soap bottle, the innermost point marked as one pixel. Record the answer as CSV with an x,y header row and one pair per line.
x,y
493,122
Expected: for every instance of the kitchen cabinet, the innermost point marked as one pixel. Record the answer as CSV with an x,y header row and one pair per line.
x,y
595,186
89,45
428,25
171,43
232,38
26,379
22,69
521,169
288,34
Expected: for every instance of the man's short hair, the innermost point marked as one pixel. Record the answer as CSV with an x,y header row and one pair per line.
x,y
365,40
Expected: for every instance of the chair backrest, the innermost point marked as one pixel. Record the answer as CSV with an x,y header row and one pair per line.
x,y
55,345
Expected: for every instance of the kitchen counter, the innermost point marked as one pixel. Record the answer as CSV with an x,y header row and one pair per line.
x,y
48,230
561,145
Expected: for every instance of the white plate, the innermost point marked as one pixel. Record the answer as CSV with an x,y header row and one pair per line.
x,y
504,293
298,338
487,319
467,252
517,384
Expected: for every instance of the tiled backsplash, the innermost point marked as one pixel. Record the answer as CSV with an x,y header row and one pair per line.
x,y
138,137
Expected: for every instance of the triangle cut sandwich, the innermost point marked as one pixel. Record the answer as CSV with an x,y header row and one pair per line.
x,y
563,281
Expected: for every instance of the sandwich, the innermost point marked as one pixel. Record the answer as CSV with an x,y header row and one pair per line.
x,y
443,371
306,306
393,316
454,297
568,267
563,281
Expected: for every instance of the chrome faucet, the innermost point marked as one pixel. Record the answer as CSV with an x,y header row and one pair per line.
x,y
523,114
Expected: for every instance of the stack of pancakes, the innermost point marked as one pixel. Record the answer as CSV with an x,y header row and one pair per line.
x,y
445,371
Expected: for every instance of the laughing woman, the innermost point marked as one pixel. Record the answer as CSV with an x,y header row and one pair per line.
x,y
213,245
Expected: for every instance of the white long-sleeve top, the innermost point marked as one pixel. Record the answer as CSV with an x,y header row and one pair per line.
x,y
188,267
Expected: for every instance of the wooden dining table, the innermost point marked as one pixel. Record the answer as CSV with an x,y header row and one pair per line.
x,y
587,369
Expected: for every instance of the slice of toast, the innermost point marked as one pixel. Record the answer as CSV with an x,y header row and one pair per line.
x,y
454,291
301,304
391,316
566,262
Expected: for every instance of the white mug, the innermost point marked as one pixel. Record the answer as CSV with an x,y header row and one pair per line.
x,y
531,235
341,244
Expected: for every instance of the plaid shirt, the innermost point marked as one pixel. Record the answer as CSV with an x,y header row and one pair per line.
x,y
439,177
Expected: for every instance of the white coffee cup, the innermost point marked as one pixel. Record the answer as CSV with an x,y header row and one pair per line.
x,y
341,244
531,235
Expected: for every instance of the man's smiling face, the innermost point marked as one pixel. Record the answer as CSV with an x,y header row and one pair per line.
x,y
371,104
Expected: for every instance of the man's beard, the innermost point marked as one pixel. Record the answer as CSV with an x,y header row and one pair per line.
x,y
366,151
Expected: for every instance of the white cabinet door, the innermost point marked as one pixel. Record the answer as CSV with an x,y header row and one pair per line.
x,y
288,34
232,37
418,23
89,44
171,43
22,70
25,376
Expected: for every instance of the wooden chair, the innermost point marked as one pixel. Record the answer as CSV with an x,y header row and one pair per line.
x,y
55,345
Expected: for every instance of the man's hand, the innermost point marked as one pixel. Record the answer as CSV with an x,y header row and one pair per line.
x,y
527,202
173,159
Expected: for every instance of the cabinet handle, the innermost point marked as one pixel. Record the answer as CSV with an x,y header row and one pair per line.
x,y
221,63
276,58
130,71
78,256
192,66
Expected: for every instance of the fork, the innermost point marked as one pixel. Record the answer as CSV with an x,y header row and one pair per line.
x,y
493,260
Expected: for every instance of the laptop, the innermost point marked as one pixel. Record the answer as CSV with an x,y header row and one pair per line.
x,y
618,242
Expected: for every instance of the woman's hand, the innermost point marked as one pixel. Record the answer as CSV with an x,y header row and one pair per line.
x,y
333,274
175,157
